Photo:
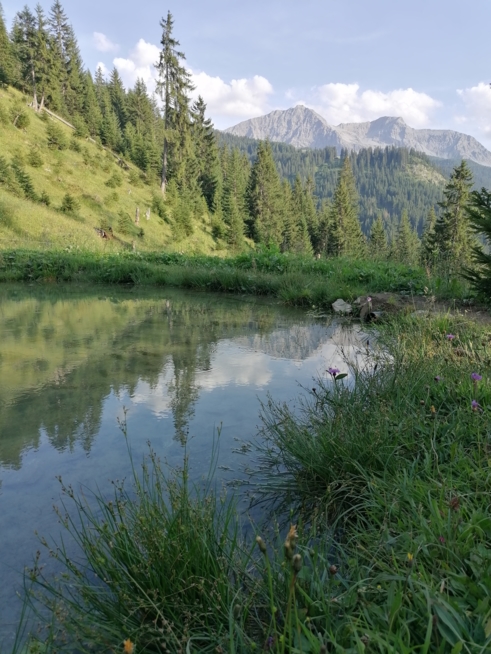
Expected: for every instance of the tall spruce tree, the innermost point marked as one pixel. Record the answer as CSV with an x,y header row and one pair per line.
x,y
118,98
265,199
378,246
233,204
429,248
303,215
174,86
452,230
24,39
7,63
91,111
406,246
206,151
345,235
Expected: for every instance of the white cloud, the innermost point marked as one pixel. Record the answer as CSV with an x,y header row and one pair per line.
x,y
477,102
241,98
103,44
345,103
140,64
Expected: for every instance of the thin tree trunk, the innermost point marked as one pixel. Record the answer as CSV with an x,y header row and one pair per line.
x,y
35,97
163,184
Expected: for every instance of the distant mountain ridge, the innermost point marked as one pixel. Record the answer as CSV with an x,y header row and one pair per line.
x,y
304,128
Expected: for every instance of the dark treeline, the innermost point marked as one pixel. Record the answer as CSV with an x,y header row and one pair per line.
x,y
386,179
378,202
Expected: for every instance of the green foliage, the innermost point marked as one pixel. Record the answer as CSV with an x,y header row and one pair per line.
x,y
345,235
265,199
452,239
75,145
116,180
24,181
378,246
34,158
56,138
479,215
45,199
406,247
19,117
69,204
125,224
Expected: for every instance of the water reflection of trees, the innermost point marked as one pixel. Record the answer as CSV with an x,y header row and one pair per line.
x,y
62,355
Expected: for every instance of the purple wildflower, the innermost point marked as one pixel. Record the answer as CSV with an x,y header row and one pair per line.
x,y
438,378
476,377
441,539
369,299
269,642
333,371
450,337
475,405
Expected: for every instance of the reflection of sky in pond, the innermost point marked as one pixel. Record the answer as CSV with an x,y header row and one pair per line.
x,y
179,364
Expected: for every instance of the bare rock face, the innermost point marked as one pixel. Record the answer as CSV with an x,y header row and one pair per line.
x,y
304,128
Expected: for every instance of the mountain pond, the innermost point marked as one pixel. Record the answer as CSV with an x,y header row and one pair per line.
x,y
181,366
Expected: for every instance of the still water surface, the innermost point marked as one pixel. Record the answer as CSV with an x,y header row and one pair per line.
x,y
181,364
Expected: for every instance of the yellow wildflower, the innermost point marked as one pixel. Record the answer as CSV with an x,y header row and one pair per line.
x,y
128,646
410,557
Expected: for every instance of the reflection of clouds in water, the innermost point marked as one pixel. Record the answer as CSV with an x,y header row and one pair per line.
x,y
230,366
250,361
156,397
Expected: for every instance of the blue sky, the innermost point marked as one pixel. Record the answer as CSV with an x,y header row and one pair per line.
x,y
351,60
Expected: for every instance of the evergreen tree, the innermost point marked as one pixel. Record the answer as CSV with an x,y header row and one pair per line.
x,y
429,248
303,214
321,245
24,39
406,247
7,64
66,60
378,246
206,151
479,214
174,86
345,235
232,206
452,230
91,111
265,199
117,95
44,78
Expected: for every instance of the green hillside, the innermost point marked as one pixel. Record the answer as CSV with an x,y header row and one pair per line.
x,y
57,190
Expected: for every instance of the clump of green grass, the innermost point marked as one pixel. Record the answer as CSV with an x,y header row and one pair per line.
x,y
161,569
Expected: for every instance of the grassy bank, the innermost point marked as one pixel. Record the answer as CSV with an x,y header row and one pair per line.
x,y
388,481
292,279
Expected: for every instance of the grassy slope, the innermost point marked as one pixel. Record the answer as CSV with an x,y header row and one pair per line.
x,y
84,175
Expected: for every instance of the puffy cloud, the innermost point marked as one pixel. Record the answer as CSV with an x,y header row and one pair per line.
x,y
103,44
140,64
238,99
345,103
477,102
241,98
